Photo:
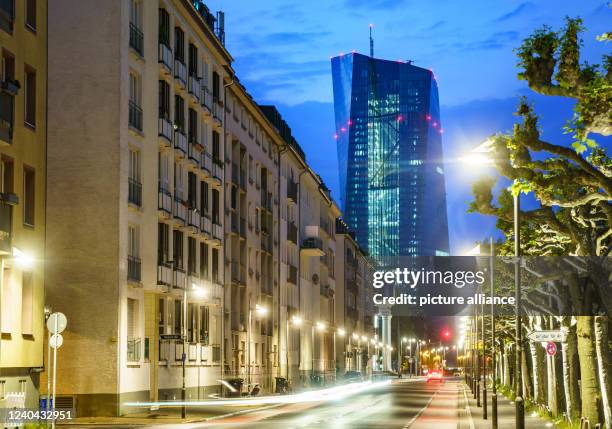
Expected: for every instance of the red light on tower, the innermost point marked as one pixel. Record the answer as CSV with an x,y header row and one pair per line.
x,y
446,334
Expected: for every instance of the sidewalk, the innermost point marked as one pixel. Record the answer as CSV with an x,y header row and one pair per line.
x,y
169,415
472,415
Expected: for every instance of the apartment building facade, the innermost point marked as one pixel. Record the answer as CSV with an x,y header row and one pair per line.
x,y
185,226
135,200
23,36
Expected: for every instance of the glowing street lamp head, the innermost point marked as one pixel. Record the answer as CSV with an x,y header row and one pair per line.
x,y
364,338
355,336
320,326
260,310
404,340
22,259
373,341
296,320
341,332
198,291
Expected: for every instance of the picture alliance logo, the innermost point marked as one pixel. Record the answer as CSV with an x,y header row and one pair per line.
x,y
414,278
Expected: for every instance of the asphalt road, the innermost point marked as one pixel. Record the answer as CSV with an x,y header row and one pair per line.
x,y
402,404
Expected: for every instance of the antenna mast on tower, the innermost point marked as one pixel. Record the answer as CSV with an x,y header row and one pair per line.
x,y
371,42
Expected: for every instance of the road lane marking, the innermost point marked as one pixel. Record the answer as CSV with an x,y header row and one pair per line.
x,y
467,408
417,415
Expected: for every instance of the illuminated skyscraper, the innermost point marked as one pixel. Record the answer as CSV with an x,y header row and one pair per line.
x,y
389,142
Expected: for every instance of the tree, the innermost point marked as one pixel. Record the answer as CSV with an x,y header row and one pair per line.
x,y
573,186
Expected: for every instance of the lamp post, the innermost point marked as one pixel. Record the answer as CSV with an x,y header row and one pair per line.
x,y
297,321
479,156
260,311
493,359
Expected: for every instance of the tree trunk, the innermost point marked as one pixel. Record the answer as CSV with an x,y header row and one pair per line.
x,y
553,397
591,394
570,370
507,380
526,379
603,360
537,363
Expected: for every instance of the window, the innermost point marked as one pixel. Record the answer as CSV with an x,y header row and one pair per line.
x,y
133,342
6,175
204,198
134,172
215,265
178,181
133,241
164,171
193,126
191,255
193,60
215,88
28,196
27,303
179,113
179,45
216,213
136,13
192,190
135,111
216,152
164,28
30,97
177,249
30,19
204,325
178,315
161,316
203,260
164,100
163,243
192,323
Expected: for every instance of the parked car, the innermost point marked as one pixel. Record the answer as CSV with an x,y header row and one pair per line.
x,y
352,376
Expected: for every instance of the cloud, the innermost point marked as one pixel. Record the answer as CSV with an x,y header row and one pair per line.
x,y
496,41
374,4
293,37
523,7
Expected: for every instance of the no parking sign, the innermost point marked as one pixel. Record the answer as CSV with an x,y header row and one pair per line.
x,y
551,348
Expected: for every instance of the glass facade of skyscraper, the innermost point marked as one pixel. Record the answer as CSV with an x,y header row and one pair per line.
x,y
389,142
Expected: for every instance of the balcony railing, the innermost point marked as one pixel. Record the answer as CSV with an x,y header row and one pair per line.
x,y
217,231
136,39
135,116
292,232
133,349
134,192
205,224
194,151
164,128
235,227
206,99
180,210
164,274
242,227
292,190
217,171
180,142
235,270
134,265
193,218
180,72
165,57
312,243
164,201
292,274
179,277
235,173
243,180
206,162
194,87
217,111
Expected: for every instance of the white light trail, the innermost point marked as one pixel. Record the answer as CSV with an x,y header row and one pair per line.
x,y
330,394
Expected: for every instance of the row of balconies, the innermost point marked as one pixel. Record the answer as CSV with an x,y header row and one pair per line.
x,y
177,278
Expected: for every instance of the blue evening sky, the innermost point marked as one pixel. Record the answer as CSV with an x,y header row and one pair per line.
x,y
282,51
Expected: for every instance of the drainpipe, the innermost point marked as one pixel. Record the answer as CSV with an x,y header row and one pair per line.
x,y
278,365
225,86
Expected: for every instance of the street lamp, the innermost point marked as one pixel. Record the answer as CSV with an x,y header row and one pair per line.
x,y
479,156
297,321
320,326
259,311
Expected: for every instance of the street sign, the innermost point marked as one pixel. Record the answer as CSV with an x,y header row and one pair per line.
x,y
170,336
56,321
551,348
56,341
547,336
